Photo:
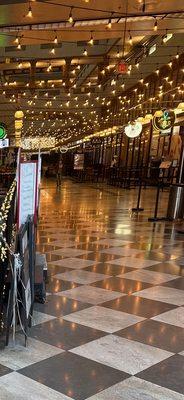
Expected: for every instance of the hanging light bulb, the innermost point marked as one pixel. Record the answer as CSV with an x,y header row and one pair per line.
x,y
56,40
91,41
48,70
53,51
85,53
70,18
109,25
16,41
155,26
30,13
19,46
130,39
118,54
177,56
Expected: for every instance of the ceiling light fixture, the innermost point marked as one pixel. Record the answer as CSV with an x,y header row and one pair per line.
x,y
16,41
55,40
130,39
19,47
70,18
155,26
91,41
109,25
53,51
48,70
167,37
30,13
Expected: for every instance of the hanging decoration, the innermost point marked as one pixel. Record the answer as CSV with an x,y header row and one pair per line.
x,y
63,149
163,121
133,130
19,115
122,67
4,211
38,142
2,131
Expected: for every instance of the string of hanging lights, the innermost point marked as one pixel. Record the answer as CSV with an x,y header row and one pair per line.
x,y
4,211
89,101
118,13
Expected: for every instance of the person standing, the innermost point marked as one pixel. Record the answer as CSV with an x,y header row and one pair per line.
x,y
59,172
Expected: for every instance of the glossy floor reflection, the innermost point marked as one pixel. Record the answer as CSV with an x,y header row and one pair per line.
x,y
113,324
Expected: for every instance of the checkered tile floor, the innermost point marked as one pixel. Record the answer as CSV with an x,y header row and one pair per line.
x,y
113,324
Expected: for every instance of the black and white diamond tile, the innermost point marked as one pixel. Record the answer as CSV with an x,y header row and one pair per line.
x,y
112,327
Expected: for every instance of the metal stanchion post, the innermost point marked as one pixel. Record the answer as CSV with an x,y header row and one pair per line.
x,y
181,166
138,209
180,228
155,218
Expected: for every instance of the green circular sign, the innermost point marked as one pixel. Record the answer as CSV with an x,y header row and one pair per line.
x,y
2,132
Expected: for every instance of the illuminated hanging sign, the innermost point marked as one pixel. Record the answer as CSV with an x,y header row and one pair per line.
x,y
79,161
133,130
63,149
122,68
2,131
4,143
163,121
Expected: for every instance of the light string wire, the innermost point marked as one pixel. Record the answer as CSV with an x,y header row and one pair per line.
x,y
4,211
16,275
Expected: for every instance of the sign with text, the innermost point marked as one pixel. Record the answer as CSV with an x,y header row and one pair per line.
x,y
2,131
4,143
27,191
164,122
79,161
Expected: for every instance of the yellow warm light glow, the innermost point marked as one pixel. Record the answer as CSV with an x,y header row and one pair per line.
x,y
181,106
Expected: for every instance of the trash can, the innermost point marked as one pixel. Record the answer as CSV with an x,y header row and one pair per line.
x,y
175,208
